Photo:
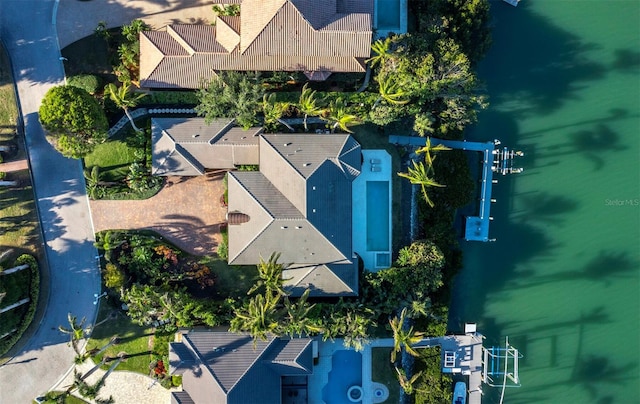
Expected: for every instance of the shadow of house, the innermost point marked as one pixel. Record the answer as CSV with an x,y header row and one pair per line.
x,y
317,38
222,367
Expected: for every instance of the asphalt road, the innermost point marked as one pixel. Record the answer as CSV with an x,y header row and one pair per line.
x,y
27,30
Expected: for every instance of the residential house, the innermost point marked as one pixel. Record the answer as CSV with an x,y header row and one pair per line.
x,y
299,203
315,37
227,368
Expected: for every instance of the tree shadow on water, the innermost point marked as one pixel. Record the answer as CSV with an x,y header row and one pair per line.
x,y
541,71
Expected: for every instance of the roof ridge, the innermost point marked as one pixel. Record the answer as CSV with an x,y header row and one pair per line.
x,y
200,362
257,358
179,39
249,242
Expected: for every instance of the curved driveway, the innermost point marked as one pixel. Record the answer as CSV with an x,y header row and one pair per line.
x,y
28,33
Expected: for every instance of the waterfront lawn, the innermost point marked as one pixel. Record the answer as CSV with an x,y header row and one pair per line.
x,y
382,371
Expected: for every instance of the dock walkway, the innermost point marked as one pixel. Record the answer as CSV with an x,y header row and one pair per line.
x,y
476,227
461,354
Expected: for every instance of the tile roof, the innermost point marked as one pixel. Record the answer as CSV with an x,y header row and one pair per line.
x,y
230,369
188,146
269,35
301,201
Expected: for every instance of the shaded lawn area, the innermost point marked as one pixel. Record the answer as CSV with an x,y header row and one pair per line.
x,y
138,342
231,280
382,372
8,109
19,225
89,55
113,157
370,137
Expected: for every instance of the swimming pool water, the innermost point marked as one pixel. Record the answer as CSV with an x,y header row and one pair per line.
x,y
378,216
388,14
346,371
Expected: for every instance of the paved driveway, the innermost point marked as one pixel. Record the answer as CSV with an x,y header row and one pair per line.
x,y
186,211
77,19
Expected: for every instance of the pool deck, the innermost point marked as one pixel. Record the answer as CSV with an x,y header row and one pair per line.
x,y
375,167
476,227
461,354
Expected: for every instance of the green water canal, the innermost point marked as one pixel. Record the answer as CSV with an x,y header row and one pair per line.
x,y
562,279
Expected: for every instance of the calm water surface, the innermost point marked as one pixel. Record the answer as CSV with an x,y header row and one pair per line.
x,y
562,280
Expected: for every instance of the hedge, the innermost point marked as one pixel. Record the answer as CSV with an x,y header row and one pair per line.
x,y
34,293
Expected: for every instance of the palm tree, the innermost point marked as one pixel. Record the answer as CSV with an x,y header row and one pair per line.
x,y
403,338
299,322
381,52
407,384
418,175
93,181
427,149
308,104
273,111
75,331
270,274
338,116
108,242
258,317
390,90
124,98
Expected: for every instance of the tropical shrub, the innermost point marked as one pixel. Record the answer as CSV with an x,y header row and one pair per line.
x,y
74,118
88,82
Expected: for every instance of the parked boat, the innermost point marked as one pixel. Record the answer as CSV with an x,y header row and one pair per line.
x,y
460,393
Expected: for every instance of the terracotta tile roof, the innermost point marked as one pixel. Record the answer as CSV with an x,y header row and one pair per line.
x,y
269,35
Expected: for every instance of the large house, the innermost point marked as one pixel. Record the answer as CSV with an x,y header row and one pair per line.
x,y
315,37
226,368
299,203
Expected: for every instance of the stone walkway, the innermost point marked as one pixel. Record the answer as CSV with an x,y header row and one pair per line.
x,y
125,387
187,211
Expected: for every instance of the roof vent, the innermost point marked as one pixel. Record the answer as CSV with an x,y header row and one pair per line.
x,y
195,135
235,218
306,164
287,144
283,227
298,227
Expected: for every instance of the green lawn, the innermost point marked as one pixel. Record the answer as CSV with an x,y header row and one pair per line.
x,y
8,109
113,157
19,226
138,342
232,281
382,372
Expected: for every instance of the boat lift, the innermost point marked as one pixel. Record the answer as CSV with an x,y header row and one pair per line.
x,y
500,366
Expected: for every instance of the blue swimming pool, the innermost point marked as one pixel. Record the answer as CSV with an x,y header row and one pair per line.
x,y
378,216
346,371
388,15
